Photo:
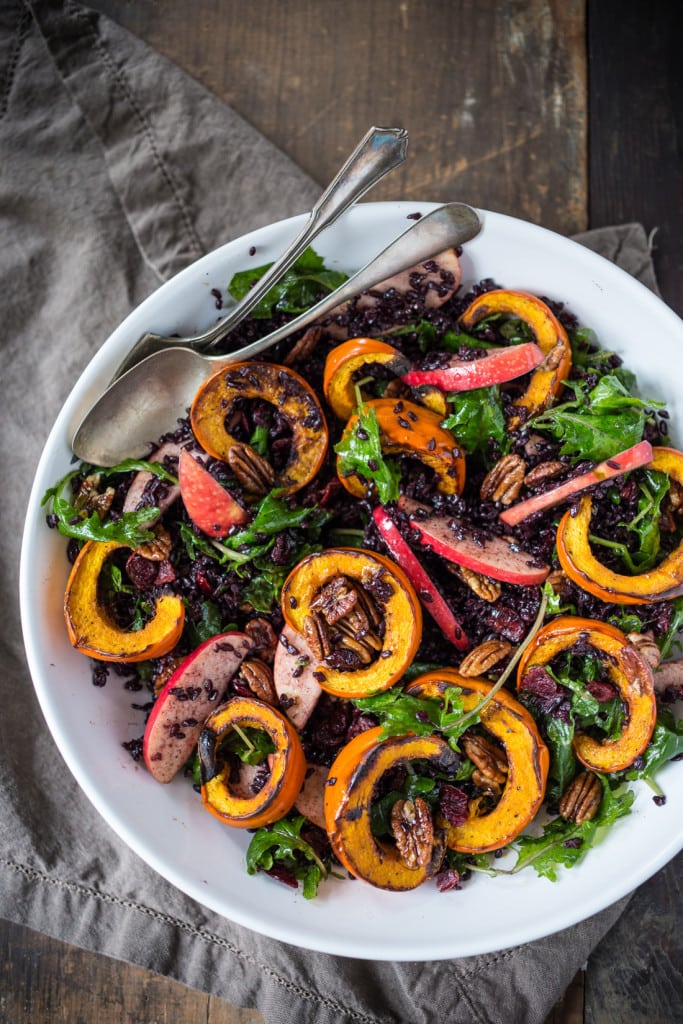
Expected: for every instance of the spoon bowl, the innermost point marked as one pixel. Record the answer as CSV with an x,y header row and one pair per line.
x,y
148,399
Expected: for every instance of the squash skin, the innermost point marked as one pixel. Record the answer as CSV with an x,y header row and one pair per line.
x,y
287,765
352,782
627,670
284,389
402,614
423,427
545,384
662,583
91,629
343,362
527,755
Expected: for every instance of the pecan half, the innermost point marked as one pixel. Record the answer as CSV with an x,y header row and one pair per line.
x,y
544,471
581,799
335,599
263,638
304,347
491,763
554,357
91,499
255,474
504,481
484,587
484,657
317,635
259,678
413,829
159,549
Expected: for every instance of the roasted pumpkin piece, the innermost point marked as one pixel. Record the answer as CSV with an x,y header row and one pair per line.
x,y
346,361
287,392
508,722
352,785
627,670
410,429
661,583
547,380
359,615
92,629
287,765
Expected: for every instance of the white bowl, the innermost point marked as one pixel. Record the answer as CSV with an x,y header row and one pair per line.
x,y
166,825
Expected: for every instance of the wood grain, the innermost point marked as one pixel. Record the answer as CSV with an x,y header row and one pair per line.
x,y
493,95
49,982
636,126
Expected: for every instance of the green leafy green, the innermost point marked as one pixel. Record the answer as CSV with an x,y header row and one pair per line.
x,y
413,786
360,452
400,713
564,843
274,515
598,423
251,746
666,742
281,843
209,624
559,737
475,417
669,640
72,521
300,288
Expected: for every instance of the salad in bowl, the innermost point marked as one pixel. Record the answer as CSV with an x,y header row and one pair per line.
x,y
395,605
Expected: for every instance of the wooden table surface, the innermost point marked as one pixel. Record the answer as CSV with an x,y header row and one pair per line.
x,y
560,112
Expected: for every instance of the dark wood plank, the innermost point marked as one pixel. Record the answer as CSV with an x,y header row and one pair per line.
x,y
493,94
636,973
49,982
636,124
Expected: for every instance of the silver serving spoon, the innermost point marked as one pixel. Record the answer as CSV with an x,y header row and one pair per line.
x,y
149,399
378,152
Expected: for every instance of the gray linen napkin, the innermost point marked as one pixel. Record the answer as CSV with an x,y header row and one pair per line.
x,y
117,171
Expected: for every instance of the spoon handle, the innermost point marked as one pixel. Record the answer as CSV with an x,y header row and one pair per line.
x,y
378,152
444,228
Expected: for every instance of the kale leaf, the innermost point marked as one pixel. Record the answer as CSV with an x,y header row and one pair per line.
x,y
360,452
304,283
281,843
564,843
597,423
401,713
475,417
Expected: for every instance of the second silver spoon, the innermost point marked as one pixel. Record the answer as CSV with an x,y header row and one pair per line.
x,y
148,400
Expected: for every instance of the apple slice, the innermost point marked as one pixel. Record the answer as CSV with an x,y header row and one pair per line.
x,y
194,690
500,365
209,506
294,670
431,598
500,558
311,799
632,458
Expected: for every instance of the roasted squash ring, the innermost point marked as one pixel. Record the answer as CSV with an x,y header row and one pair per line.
x,y
410,429
91,628
351,787
527,756
662,583
547,381
627,670
400,608
287,765
284,389
345,360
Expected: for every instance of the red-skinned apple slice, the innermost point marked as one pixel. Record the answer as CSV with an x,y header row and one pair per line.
x,y
632,458
499,366
431,598
500,558
294,677
209,506
195,689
